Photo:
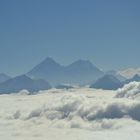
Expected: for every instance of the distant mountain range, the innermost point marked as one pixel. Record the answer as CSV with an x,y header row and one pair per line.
x,y
80,72
49,74
108,82
129,73
23,82
116,74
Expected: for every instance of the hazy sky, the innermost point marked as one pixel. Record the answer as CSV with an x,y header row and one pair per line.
x,y
107,32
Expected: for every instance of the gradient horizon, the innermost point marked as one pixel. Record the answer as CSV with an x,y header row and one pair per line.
x,y
104,32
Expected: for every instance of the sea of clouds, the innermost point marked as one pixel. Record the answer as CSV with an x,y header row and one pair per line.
x,y
79,108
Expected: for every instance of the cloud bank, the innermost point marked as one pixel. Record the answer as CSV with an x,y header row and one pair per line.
x,y
83,109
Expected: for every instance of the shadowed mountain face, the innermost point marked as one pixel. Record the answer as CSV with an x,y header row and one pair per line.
x,y
4,77
79,72
83,72
48,70
107,82
23,82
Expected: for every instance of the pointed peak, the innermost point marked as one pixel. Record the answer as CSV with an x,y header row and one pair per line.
x,y
85,65
110,77
49,61
108,82
136,76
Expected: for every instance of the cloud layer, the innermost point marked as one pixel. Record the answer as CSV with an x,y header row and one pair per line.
x,y
84,109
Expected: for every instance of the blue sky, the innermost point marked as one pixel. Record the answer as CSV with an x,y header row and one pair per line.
x,y
107,32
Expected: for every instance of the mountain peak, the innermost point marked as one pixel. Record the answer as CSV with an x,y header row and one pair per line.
x,y
136,76
23,82
116,74
48,64
110,77
49,60
79,72
83,64
108,82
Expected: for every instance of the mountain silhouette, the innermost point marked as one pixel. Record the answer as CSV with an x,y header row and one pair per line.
x,y
23,82
79,72
48,70
83,72
107,82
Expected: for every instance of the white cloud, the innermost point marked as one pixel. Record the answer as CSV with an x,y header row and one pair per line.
x,y
131,90
68,114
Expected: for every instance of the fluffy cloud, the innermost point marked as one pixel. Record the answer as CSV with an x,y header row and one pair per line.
x,y
77,111
85,110
131,90
71,106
